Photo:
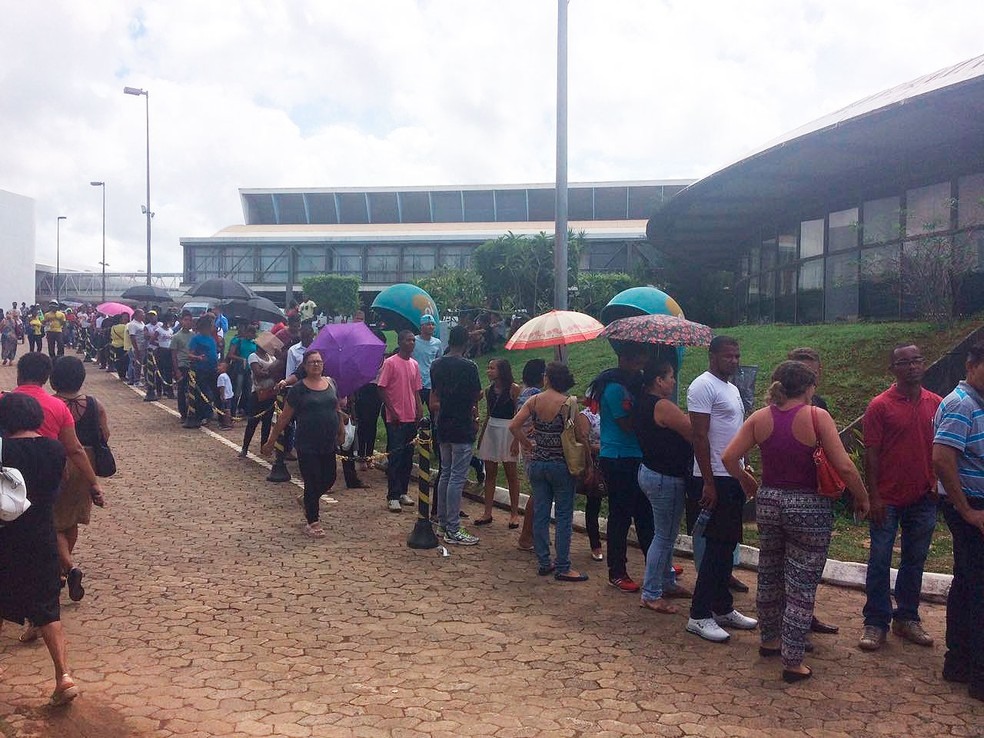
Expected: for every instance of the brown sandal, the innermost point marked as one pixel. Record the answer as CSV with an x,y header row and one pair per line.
x,y
663,608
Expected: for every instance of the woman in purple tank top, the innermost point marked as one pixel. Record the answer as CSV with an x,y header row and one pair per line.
x,y
794,521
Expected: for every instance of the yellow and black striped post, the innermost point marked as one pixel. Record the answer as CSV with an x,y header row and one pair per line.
x,y
279,471
150,376
422,535
191,419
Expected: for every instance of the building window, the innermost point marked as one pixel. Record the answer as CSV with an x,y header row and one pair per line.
x,y
290,208
310,261
321,208
841,288
273,267
455,257
510,206
447,207
479,206
383,207
415,207
347,261
811,238
842,230
238,263
542,204
809,303
580,203
643,202
927,209
352,208
418,261
383,264
754,260
881,221
607,256
786,300
879,289
259,209
787,248
611,203
970,208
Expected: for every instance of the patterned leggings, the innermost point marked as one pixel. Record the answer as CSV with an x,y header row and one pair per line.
x,y
794,533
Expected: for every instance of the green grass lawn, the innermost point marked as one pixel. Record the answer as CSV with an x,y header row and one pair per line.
x,y
855,369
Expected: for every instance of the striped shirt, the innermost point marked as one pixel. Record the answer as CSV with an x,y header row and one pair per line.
x,y
959,424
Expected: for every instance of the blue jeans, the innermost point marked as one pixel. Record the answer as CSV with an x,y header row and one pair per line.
x,y
917,521
666,495
552,485
455,458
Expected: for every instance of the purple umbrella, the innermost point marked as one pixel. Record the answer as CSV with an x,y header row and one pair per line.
x,y
352,354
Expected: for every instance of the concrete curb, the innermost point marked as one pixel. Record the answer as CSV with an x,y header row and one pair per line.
x,y
935,587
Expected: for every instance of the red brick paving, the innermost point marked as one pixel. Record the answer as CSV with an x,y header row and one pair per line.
x,y
208,613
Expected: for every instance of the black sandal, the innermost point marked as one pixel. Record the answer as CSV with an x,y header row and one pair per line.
x,y
483,521
791,677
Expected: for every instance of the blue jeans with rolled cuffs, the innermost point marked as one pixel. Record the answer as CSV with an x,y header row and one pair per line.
x,y
553,486
666,495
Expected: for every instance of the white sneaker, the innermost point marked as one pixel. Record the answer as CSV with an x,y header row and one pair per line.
x,y
735,619
394,506
407,500
707,629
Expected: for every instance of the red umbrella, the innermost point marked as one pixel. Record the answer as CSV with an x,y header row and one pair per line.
x,y
556,328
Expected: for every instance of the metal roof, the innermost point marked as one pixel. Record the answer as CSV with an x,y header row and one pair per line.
x,y
917,133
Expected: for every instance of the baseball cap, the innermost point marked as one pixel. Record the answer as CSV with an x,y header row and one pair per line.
x,y
427,319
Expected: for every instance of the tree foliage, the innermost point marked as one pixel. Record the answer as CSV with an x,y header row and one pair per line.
x,y
596,289
454,289
333,294
518,271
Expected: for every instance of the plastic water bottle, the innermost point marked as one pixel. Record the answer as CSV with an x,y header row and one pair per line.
x,y
701,523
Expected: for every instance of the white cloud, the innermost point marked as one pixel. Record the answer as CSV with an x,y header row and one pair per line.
x,y
387,92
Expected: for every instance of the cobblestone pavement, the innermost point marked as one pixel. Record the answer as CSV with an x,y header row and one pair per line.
x,y
208,613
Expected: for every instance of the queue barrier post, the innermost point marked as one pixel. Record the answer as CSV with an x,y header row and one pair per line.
x,y
150,376
190,420
279,471
422,536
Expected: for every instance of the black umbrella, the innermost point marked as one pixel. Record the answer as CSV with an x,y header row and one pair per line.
x,y
222,289
147,293
255,308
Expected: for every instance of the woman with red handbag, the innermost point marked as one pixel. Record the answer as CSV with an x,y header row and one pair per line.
x,y
794,519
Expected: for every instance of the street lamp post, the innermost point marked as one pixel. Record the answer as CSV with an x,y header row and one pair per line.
x,y
58,257
137,91
103,262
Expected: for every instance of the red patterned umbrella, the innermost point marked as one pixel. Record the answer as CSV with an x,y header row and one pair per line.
x,y
556,328
664,329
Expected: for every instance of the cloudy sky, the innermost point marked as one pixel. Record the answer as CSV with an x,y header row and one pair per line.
x,y
342,93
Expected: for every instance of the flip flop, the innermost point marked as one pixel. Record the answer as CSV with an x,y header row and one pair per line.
x,y
513,526
66,694
75,589
29,635
483,521
311,532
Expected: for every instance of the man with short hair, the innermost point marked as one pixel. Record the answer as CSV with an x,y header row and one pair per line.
x,y
716,414
958,460
426,349
203,359
153,331
454,398
137,348
898,449
399,386
306,309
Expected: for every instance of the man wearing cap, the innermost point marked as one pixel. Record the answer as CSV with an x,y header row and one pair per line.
x,y
426,349
54,326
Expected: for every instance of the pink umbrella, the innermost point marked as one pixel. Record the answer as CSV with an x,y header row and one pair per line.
x,y
114,308
556,328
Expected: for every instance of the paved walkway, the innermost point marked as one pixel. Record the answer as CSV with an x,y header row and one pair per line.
x,y
208,613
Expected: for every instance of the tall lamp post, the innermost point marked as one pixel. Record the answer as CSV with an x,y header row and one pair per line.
x,y
560,187
137,91
58,257
103,262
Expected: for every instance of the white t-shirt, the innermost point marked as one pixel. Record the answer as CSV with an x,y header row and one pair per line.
x,y
136,330
722,401
306,309
259,384
225,386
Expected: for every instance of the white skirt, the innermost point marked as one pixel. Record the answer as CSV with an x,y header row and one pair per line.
x,y
496,441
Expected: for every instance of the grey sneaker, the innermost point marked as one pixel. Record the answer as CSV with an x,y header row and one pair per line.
x,y
912,630
394,506
460,537
872,638
407,500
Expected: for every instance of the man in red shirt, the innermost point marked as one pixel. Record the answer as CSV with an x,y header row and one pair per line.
x,y
898,440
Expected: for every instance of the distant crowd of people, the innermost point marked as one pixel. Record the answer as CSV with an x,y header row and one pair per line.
x,y
626,441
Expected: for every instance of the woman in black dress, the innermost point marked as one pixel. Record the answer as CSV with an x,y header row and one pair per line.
x,y
29,568
314,402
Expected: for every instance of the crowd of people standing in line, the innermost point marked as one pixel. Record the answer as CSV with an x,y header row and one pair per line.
x,y
657,464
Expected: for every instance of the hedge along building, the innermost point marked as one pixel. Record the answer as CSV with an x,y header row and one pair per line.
x,y
387,235
872,212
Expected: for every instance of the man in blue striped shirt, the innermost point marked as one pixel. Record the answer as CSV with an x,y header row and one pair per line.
x,y
958,458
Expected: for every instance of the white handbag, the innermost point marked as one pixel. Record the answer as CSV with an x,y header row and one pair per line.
x,y
13,492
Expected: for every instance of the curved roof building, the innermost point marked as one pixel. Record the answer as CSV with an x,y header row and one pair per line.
x,y
833,220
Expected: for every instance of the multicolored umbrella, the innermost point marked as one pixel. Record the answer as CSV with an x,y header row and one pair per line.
x,y
667,330
556,328
640,301
352,354
402,305
114,308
